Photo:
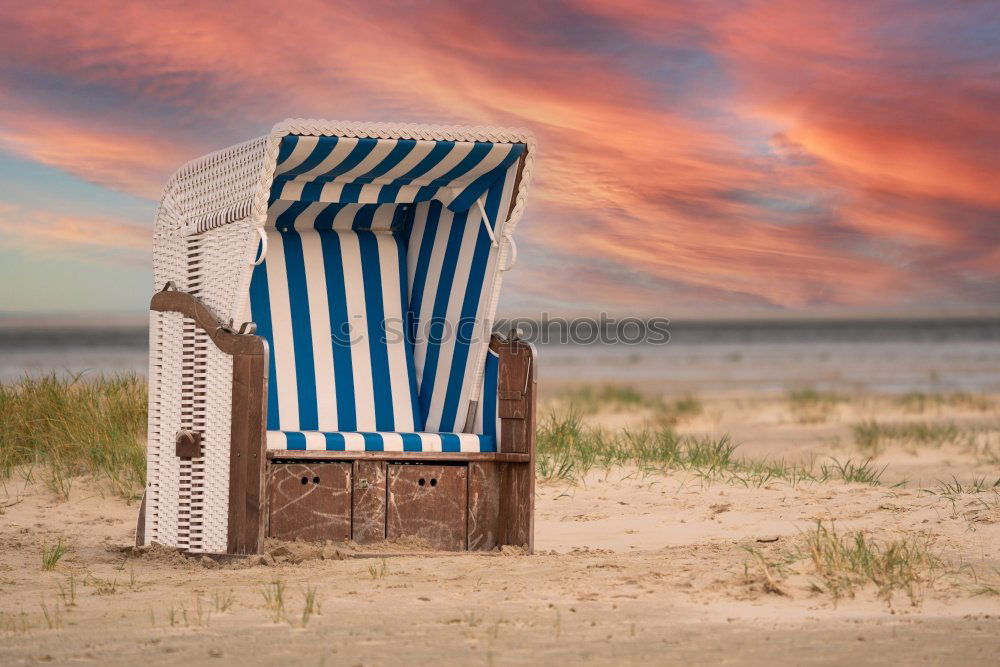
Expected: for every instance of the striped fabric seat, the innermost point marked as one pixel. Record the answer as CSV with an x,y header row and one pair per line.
x,y
376,290
380,442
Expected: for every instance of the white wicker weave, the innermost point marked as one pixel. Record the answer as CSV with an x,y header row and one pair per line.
x,y
205,239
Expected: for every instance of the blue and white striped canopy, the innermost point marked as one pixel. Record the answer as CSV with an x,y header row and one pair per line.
x,y
364,170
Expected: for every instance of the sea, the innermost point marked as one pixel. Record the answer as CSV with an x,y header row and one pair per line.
x,y
701,357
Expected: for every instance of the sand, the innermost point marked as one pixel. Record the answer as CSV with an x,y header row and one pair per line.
x,y
631,567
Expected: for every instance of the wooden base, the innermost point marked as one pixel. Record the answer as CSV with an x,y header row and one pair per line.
x,y
449,505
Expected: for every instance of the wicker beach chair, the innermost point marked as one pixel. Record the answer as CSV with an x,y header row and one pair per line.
x,y
321,359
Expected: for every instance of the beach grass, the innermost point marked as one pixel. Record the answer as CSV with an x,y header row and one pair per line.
x,y
569,448
61,427
841,562
981,440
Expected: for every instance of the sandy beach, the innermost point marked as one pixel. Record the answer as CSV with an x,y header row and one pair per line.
x,y
632,564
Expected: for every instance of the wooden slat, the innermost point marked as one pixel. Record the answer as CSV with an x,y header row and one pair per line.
x,y
369,497
417,457
429,502
516,521
310,501
484,505
247,461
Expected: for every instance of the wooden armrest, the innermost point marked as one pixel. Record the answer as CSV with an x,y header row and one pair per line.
x,y
228,341
516,394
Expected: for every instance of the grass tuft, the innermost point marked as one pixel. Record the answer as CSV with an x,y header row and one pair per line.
x,y
71,426
52,554
843,562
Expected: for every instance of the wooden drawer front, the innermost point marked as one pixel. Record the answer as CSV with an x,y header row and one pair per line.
x,y
429,502
310,501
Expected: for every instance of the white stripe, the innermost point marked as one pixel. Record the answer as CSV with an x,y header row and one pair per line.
x,y
354,442
412,159
344,220
369,193
430,442
468,442
315,440
453,315
292,190
331,191
276,440
319,318
454,156
399,382
364,392
382,220
413,248
430,290
392,442
382,148
281,327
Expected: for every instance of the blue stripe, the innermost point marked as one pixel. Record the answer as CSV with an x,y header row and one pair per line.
x,y
286,147
436,328
335,442
324,146
324,219
411,371
412,442
450,443
431,160
286,220
298,302
373,442
371,272
489,398
487,443
423,264
479,151
295,440
481,184
260,311
364,146
395,156
364,218
340,338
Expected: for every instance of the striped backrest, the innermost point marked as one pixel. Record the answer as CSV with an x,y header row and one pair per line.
x,y
365,230
331,300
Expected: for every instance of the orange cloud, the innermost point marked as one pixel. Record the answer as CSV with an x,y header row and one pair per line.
x,y
821,168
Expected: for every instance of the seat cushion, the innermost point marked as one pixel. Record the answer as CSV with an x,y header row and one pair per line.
x,y
331,300
380,441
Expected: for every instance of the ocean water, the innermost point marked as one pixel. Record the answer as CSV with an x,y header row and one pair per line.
x,y
701,357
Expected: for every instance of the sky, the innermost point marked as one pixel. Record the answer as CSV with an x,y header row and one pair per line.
x,y
790,156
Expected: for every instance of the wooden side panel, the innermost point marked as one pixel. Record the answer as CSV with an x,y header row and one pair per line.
x,y
310,501
517,394
368,520
484,505
247,458
429,502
